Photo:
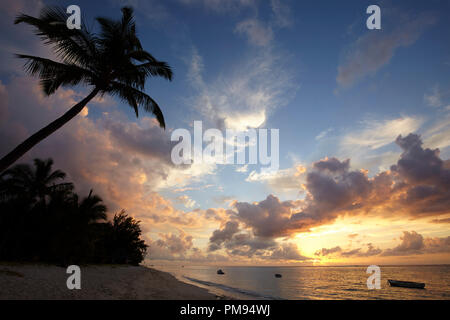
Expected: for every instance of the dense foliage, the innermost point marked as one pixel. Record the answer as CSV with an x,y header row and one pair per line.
x,y
42,219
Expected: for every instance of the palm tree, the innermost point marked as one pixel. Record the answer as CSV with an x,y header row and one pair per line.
x,y
112,62
34,183
92,208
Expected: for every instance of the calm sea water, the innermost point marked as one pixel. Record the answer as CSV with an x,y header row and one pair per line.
x,y
315,282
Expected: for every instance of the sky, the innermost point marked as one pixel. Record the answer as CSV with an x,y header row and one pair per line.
x,y
363,118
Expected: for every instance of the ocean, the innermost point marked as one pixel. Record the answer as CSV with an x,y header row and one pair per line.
x,y
299,283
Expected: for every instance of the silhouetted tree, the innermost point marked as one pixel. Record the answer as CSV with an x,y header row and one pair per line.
x,y
41,220
112,62
91,208
35,183
124,240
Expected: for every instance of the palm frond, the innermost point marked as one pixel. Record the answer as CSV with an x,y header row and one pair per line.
x,y
54,74
126,92
156,68
113,60
71,45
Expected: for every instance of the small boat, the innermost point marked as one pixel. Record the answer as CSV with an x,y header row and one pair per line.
x,y
407,284
220,271
277,275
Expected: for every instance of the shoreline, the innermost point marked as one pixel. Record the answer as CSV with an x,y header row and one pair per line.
x,y
98,282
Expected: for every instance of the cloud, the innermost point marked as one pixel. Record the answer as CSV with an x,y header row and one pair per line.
x,y
290,179
332,165
425,178
434,99
358,252
247,245
446,220
371,251
144,138
17,38
242,169
268,218
438,135
376,134
243,244
244,96
220,6
375,49
172,247
416,186
288,251
282,15
333,189
369,143
418,165
220,236
323,134
198,255
202,187
125,162
186,201
255,31
325,252
12,8
176,244
237,242
414,243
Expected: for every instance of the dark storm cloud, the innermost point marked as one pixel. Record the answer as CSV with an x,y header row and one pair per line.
x,y
224,234
332,165
419,166
268,218
241,243
424,176
287,251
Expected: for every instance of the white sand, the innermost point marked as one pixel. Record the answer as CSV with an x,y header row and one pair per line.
x,y
30,281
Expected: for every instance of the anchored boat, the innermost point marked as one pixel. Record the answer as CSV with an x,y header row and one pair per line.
x,y
407,284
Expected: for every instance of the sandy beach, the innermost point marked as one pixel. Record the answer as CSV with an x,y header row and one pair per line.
x,y
47,282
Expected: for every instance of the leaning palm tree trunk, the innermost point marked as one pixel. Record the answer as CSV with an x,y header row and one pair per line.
x,y
112,61
29,143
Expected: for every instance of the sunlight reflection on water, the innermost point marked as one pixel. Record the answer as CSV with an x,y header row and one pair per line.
x,y
316,282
